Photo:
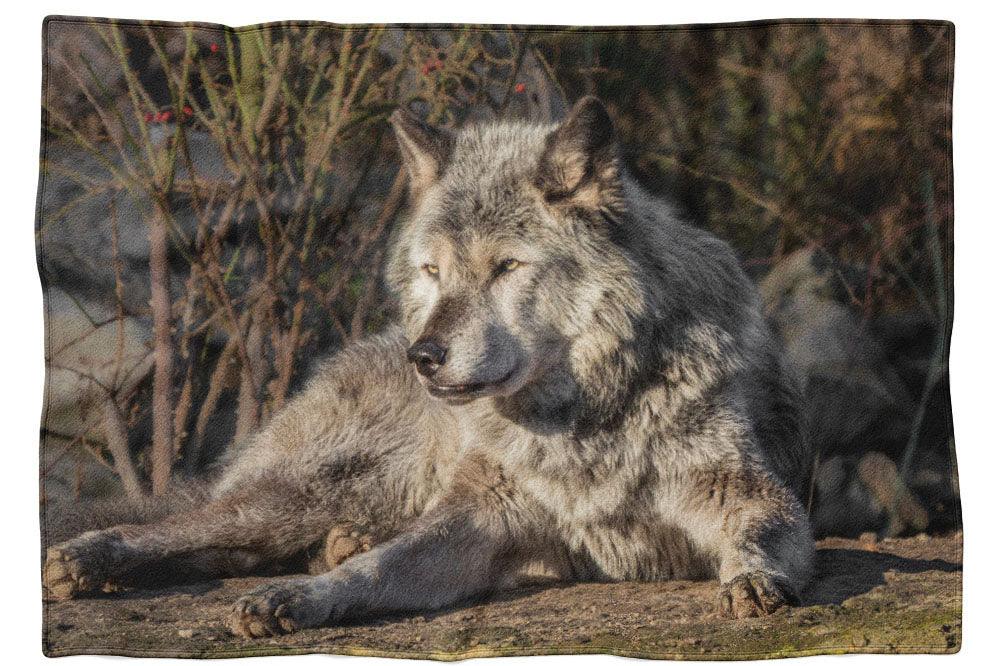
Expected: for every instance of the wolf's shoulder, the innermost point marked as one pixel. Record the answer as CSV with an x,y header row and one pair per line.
x,y
373,358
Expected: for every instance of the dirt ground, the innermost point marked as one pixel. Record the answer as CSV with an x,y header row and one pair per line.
x,y
897,595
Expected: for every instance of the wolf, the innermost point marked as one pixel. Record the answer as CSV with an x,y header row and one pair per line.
x,y
580,383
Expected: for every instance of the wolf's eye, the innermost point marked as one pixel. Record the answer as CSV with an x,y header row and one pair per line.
x,y
430,269
508,265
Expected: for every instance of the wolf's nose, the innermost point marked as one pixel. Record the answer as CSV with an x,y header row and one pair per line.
x,y
427,355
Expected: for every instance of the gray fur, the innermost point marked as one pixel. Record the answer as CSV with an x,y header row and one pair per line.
x,y
611,406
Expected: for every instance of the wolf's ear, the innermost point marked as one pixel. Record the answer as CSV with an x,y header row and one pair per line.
x,y
425,148
579,164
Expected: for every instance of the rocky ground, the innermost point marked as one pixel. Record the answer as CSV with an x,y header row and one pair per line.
x,y
897,595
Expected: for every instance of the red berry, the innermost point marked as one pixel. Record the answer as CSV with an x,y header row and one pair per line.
x,y
519,88
188,111
149,117
213,47
167,115
425,70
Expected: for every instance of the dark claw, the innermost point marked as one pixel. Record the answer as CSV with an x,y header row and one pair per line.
x,y
753,595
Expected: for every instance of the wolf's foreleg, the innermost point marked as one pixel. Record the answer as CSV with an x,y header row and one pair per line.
x,y
462,548
262,522
756,529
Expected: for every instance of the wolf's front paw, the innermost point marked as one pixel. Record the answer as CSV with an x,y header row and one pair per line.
x,y
753,594
78,566
280,608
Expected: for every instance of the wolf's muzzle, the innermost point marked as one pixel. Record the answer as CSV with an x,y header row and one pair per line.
x,y
427,355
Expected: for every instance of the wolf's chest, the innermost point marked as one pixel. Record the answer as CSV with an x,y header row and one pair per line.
x,y
627,540
608,527
634,549
610,521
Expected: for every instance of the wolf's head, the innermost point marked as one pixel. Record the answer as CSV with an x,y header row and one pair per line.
x,y
505,257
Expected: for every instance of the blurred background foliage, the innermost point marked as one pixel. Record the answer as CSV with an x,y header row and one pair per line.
x,y
216,202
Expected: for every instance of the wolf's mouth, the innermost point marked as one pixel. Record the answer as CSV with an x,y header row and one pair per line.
x,y
466,392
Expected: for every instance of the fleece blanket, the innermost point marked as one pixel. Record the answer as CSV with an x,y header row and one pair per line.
x,y
456,340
